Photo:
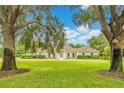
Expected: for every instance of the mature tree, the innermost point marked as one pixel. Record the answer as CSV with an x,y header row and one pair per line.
x,y
29,38
111,19
54,35
98,42
76,45
12,19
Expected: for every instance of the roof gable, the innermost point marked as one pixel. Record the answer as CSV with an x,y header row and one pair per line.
x,y
82,49
68,48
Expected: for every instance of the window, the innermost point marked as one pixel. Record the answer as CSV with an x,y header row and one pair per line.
x,y
61,55
68,55
83,53
73,54
49,54
91,53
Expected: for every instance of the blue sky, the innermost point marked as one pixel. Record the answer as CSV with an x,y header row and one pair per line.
x,y
75,34
65,15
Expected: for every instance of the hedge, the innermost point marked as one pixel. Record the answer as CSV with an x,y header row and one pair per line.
x,y
33,56
88,57
29,56
20,55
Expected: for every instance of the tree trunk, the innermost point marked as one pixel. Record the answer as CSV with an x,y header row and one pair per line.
x,y
111,54
54,55
115,58
9,50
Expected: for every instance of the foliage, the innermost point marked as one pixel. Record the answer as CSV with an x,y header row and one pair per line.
x,y
20,49
29,56
88,57
76,45
99,43
107,51
88,16
1,52
14,18
54,36
19,55
30,37
50,37
22,20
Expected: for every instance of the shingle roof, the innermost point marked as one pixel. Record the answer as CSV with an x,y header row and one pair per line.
x,y
82,49
68,48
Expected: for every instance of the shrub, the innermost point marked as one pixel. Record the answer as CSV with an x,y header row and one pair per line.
x,y
106,51
29,56
106,57
40,56
1,52
19,55
26,56
88,57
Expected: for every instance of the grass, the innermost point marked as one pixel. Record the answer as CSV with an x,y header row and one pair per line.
x,y
61,74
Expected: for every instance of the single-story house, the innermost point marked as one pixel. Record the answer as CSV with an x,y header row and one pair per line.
x,y
69,52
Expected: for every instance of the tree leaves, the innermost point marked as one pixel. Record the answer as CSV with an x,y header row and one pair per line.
x,y
84,17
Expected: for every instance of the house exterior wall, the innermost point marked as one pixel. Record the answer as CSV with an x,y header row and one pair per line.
x,y
66,55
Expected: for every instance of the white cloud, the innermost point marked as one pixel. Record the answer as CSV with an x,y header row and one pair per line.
x,y
70,33
80,34
83,28
84,7
90,34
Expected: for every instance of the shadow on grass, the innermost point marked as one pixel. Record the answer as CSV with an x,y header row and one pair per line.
x,y
14,72
116,75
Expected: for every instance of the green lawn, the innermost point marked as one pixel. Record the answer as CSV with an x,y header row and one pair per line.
x,y
58,74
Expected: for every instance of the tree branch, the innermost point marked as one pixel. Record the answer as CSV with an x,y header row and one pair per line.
x,y
113,13
19,26
105,29
121,19
15,14
2,21
122,14
115,21
120,36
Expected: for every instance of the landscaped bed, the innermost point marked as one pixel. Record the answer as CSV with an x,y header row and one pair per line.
x,y
12,73
64,73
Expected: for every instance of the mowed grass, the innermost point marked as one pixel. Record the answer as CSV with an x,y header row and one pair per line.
x,y
61,74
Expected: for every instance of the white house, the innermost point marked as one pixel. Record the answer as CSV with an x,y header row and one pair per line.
x,y
69,52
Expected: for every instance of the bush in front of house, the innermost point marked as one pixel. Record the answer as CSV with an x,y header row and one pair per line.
x,y
88,57
24,56
106,52
20,55
1,52
104,57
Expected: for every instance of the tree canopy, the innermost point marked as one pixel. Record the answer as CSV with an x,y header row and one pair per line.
x,y
98,42
111,19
